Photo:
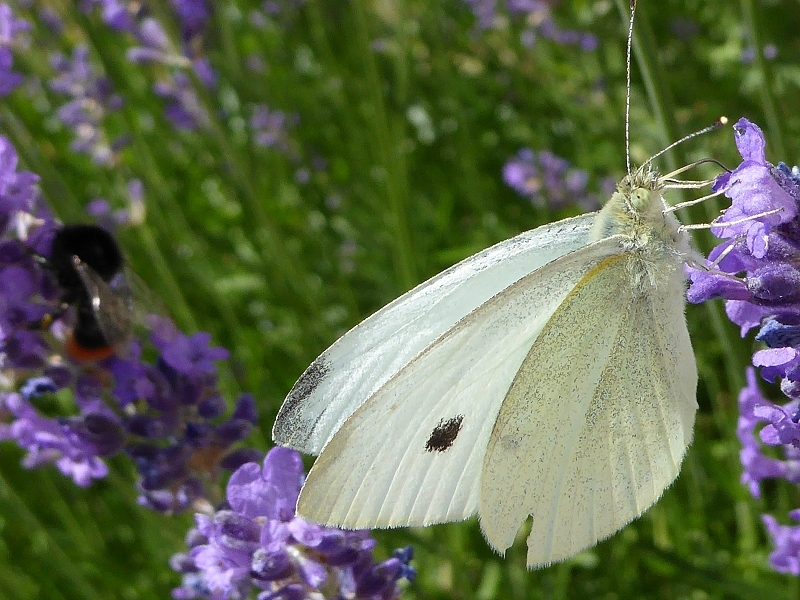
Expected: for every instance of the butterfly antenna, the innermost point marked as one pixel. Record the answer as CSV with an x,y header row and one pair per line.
x,y
628,90
669,177
715,125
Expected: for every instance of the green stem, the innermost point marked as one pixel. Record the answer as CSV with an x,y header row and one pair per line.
x,y
390,155
768,104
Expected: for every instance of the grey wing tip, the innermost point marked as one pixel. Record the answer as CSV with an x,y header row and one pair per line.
x,y
290,428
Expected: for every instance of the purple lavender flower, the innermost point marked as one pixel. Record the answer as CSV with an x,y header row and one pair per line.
x,y
271,128
9,80
256,542
786,539
757,466
769,52
117,14
183,108
193,16
754,270
190,356
47,440
538,18
10,26
548,180
153,45
50,18
567,37
484,11
179,438
11,32
100,210
91,101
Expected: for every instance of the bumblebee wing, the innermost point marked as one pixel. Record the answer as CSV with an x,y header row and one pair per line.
x,y
112,306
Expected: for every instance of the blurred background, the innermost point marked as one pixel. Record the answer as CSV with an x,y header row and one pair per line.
x,y
291,166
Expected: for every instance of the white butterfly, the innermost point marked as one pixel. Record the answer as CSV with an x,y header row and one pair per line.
x,y
550,376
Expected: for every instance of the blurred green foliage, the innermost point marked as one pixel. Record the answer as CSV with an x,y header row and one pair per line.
x,y
414,111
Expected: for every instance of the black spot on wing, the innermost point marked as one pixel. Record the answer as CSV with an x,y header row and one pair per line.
x,y
308,382
444,434
290,428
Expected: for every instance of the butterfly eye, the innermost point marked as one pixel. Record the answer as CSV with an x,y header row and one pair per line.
x,y
640,199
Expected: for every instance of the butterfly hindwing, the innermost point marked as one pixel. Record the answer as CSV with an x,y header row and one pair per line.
x,y
597,421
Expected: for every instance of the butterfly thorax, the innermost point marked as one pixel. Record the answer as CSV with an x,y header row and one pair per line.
x,y
654,244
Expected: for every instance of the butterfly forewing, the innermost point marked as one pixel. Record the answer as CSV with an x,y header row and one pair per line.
x,y
413,453
369,355
597,421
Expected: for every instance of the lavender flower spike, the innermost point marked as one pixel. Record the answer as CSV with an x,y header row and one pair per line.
x,y
256,542
548,180
786,556
755,271
91,101
11,29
